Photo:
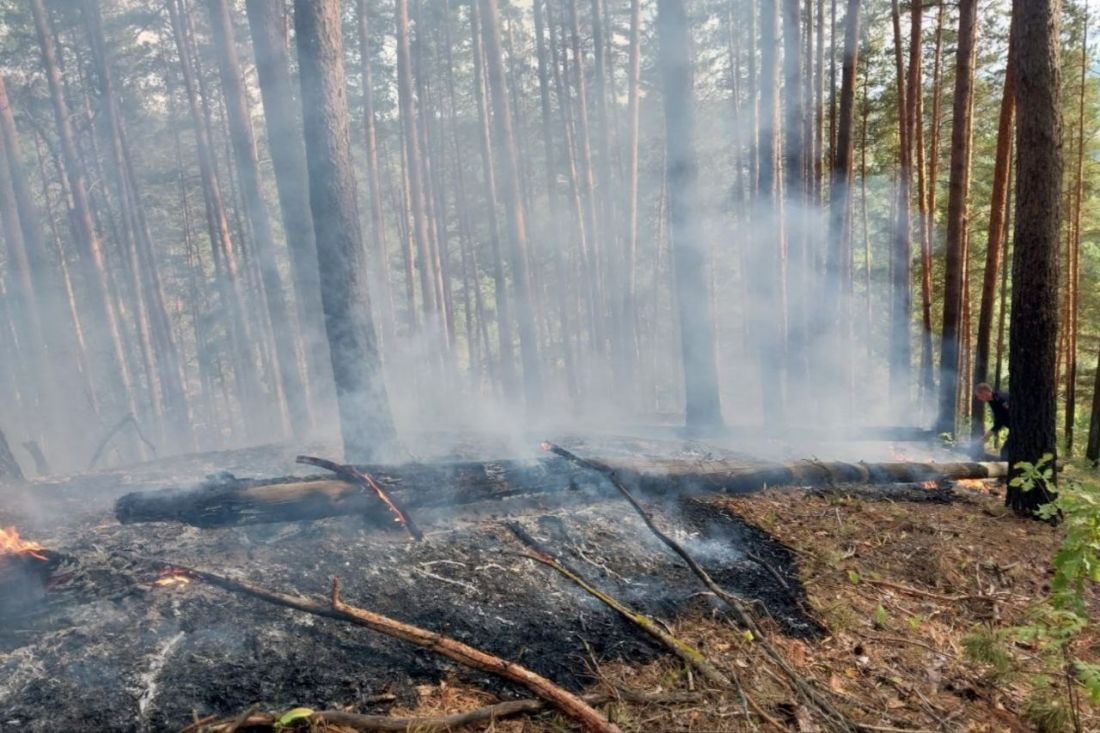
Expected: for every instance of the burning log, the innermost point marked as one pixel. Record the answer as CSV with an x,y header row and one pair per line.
x,y
226,500
466,655
9,467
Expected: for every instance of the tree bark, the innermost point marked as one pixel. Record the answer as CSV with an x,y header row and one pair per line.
x,y
901,249
516,216
798,268
994,254
1073,255
84,230
374,178
702,402
365,420
267,23
1034,323
958,191
242,137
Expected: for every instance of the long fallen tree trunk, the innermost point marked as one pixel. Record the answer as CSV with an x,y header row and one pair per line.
x,y
227,500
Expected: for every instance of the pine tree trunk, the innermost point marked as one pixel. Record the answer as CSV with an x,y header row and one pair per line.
x,y
84,231
703,408
516,213
958,190
769,267
267,23
799,267
365,421
1073,272
286,335
1034,322
901,249
995,242
505,337
374,178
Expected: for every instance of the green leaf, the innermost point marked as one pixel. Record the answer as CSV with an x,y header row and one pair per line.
x,y
292,716
881,617
853,577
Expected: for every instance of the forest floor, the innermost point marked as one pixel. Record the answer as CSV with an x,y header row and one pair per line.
x,y
900,588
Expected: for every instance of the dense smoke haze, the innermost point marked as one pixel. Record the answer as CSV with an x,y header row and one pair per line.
x,y
551,209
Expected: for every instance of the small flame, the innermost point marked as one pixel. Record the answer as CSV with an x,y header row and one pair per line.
x,y
545,445
12,544
975,484
173,580
930,484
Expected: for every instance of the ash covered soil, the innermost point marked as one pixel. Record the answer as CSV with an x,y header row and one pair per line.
x,y
107,649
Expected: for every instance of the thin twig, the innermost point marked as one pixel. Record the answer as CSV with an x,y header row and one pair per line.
x,y
681,649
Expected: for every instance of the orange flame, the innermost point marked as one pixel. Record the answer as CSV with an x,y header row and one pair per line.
x,y
173,580
12,544
930,484
976,484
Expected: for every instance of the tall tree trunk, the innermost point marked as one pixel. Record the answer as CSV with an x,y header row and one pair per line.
x,y
703,407
557,240
500,287
630,248
152,315
1073,272
901,249
267,24
799,266
84,231
958,190
1034,322
285,358
365,421
374,179
223,249
516,218
995,241
769,269
418,203
838,268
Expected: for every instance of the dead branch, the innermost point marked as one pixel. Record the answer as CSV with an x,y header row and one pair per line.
x,y
454,650
128,418
367,483
691,656
802,686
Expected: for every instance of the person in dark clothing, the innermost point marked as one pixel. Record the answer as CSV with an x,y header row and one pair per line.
x,y
1002,418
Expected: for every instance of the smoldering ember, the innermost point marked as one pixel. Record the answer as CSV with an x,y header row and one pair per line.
x,y
545,365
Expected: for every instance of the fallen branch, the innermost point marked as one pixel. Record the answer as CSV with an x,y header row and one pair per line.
x,y
367,483
691,656
454,650
430,724
739,607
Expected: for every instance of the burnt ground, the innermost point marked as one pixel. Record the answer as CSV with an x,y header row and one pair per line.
x,y
106,649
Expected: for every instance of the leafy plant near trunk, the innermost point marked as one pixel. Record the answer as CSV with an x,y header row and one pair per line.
x,y
1060,623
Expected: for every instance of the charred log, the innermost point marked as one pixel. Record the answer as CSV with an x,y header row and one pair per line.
x,y
226,500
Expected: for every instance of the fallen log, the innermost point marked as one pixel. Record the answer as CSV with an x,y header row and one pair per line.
x,y
226,500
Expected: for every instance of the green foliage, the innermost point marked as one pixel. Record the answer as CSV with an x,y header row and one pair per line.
x,y
291,717
1055,625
